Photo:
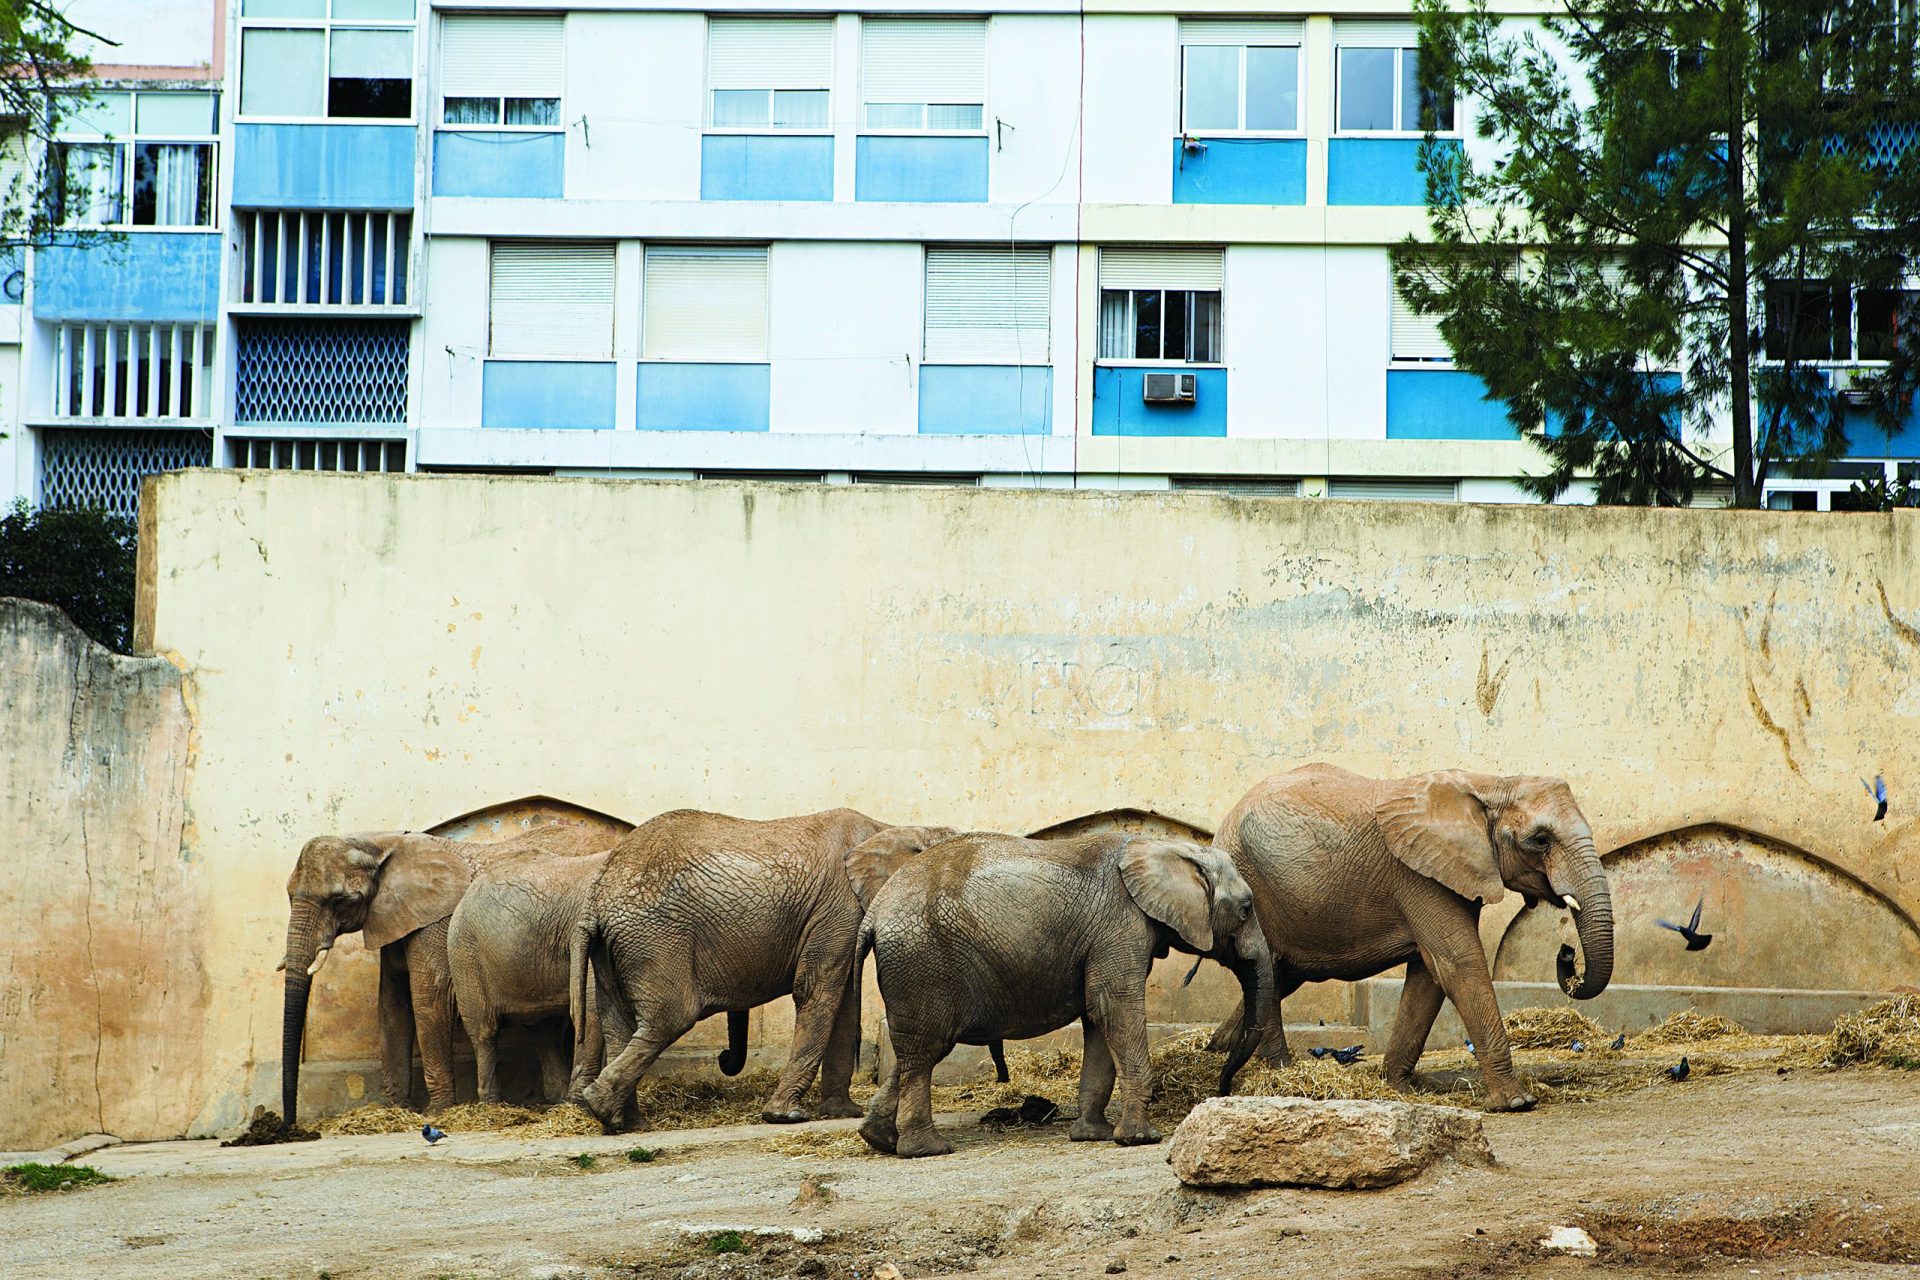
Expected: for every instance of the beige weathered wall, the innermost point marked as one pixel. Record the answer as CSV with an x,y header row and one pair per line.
x,y
366,652
104,998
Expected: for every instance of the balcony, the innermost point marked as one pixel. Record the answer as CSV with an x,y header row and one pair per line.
x,y
317,260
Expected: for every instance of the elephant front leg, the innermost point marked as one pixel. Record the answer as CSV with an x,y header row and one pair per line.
x,y
1460,967
1096,1086
1120,1015
843,1052
396,1029
1420,998
551,1040
432,991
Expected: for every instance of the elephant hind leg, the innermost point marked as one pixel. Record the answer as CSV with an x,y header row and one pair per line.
x,y
662,1014
879,1128
1096,1086
1420,999
915,1059
1227,1034
843,1052
819,986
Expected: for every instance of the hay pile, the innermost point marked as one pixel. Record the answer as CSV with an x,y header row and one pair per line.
x,y
805,1143
1540,1028
1690,1026
371,1118
1888,1034
703,1101
563,1121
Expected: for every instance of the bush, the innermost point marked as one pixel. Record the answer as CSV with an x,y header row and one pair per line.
x,y
81,561
38,1178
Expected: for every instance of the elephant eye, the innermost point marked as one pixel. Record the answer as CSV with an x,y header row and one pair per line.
x,y
1539,839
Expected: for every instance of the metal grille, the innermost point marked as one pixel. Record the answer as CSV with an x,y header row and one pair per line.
x,y
131,370
323,258
320,370
101,467
317,455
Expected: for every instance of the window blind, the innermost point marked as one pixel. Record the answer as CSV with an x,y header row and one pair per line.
x,y
1238,32
1375,34
1416,337
1395,490
989,304
940,60
769,53
1161,268
552,298
506,56
705,303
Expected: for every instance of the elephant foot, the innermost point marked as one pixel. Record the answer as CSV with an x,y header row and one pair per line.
x,y
1521,1101
1085,1130
1143,1137
1403,1082
787,1115
926,1142
597,1103
838,1109
879,1134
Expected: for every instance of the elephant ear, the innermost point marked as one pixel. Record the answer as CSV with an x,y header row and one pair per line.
x,y
1166,884
871,862
421,881
1437,824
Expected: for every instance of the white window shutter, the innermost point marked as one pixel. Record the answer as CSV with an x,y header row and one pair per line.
x,y
508,56
769,53
1365,33
1395,490
1256,32
1161,269
989,305
705,303
1416,337
923,60
552,298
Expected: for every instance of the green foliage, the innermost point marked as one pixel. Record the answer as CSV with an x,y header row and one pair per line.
x,y
642,1155
585,1161
46,82
82,561
726,1242
39,1178
1879,495
1646,173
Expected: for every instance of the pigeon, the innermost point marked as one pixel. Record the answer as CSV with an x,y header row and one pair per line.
x,y
1679,1070
1619,1042
1319,1051
431,1134
1879,793
1577,1047
1348,1056
1696,940
1469,1043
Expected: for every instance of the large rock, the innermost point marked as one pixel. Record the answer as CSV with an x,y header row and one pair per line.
x,y
1252,1142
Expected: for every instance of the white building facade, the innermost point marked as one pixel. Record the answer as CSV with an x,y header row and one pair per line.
x,y
1026,244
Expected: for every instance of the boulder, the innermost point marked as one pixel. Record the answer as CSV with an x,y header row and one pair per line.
x,y
1300,1142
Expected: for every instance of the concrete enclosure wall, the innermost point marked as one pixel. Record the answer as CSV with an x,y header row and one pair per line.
x,y
364,653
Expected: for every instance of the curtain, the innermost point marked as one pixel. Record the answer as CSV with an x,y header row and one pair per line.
x,y
179,182
94,174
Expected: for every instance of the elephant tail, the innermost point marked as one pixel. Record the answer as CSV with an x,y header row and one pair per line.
x,y
579,956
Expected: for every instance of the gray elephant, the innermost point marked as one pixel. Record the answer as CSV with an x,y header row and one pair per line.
x,y
397,890
697,913
1353,875
994,936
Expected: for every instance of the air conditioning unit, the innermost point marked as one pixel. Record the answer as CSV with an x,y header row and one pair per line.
x,y
1854,385
1169,388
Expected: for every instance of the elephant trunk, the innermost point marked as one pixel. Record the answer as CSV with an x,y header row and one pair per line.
x,y
303,948
1580,876
1258,1017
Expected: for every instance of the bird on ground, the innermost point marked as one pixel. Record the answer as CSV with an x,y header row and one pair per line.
x,y
1696,940
1319,1051
431,1134
1577,1047
1619,1042
1679,1070
1469,1043
1878,790
1348,1056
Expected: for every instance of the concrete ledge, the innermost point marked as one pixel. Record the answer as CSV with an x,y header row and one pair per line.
x,y
69,1150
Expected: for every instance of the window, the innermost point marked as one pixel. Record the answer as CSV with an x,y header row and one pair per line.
x,y
704,302
1415,336
1378,83
137,159
1822,321
323,257
302,370
989,305
501,72
1394,490
925,74
1161,305
552,298
1240,77
122,370
101,467
769,73
332,59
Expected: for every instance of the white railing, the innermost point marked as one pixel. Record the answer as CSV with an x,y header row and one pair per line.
x,y
323,258
137,371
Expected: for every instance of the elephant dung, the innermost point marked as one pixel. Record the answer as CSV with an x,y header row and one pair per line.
x,y
1250,1142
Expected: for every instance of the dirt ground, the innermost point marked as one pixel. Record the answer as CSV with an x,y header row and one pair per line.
x,y
1809,1173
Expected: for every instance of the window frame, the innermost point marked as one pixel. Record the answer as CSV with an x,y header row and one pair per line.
x,y
740,249
521,355
1163,360
1299,129
930,252
708,89
981,130
326,26
129,149
783,130
1400,52
500,125
1854,295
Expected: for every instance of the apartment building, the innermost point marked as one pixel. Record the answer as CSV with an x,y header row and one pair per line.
x,y
1031,243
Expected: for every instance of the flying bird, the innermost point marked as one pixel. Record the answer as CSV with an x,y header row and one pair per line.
x,y
431,1134
1348,1056
1878,790
1619,1042
1679,1070
1696,940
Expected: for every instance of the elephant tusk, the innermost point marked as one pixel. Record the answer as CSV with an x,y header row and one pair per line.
x,y
282,966
318,961
1570,900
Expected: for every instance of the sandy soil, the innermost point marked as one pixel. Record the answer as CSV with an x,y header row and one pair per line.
x,y
1809,1173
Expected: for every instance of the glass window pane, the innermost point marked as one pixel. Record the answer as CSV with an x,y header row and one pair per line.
x,y
1213,87
1174,335
895,115
371,55
380,10
189,115
369,99
1206,328
1116,330
1879,322
740,108
1273,88
544,112
91,177
173,184
107,115
1366,89
282,73
284,8
471,111
1417,108
953,115
1146,324
799,108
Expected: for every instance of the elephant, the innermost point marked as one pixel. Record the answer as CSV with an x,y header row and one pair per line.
x,y
996,936
397,890
696,913
1352,875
